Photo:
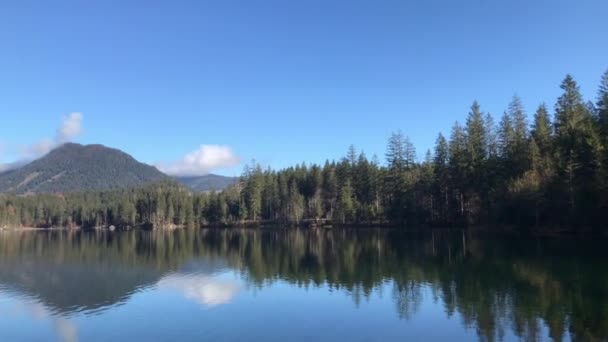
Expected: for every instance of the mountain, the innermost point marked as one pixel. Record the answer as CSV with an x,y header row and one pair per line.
x,y
207,182
74,168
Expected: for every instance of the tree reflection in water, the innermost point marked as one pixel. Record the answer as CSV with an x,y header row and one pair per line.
x,y
495,284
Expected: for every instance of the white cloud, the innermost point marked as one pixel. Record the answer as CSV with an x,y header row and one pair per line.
x,y
201,161
205,290
71,127
35,150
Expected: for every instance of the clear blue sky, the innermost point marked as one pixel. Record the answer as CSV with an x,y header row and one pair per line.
x,y
282,81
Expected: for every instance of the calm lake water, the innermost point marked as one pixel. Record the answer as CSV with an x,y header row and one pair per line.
x,y
299,285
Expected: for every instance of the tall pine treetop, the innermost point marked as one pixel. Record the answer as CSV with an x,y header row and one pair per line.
x,y
602,107
520,121
541,129
476,135
569,109
441,151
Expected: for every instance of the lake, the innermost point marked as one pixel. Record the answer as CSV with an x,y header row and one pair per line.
x,y
300,285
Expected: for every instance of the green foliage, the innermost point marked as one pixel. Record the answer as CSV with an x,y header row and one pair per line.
x,y
346,203
576,143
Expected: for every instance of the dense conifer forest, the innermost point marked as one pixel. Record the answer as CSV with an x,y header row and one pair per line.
x,y
547,170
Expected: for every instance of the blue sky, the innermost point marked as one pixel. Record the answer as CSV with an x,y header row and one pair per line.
x,y
281,81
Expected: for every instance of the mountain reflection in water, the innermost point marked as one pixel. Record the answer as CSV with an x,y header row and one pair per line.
x,y
76,285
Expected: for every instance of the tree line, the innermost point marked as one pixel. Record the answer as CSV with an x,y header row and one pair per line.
x,y
550,170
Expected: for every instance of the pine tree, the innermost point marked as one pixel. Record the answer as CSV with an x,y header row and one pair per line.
x,y
400,157
541,157
351,156
575,143
442,177
346,203
458,166
253,179
491,137
396,156
602,120
520,154
476,158
506,137
425,187
329,188
476,142
602,109
542,132
377,175
295,203
410,153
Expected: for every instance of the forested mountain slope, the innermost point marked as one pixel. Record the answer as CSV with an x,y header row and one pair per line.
x,y
76,168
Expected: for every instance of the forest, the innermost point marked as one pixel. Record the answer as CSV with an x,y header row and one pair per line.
x,y
550,170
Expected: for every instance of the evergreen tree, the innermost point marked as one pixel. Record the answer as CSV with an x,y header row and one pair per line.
x,y
476,137
575,143
351,156
396,156
506,138
329,188
458,167
346,203
295,203
491,137
602,109
253,179
400,157
602,120
476,156
542,132
442,178
520,154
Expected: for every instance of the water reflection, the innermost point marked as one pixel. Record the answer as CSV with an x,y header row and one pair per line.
x,y
531,289
65,329
204,281
206,290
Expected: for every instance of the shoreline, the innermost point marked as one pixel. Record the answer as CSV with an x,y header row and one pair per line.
x,y
545,232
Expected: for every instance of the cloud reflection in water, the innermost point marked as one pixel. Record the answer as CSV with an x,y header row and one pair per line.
x,y
66,329
204,289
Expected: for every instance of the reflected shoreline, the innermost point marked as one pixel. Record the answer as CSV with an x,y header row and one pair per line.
x,y
496,284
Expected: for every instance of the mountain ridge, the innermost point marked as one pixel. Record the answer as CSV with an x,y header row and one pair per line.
x,y
208,182
73,167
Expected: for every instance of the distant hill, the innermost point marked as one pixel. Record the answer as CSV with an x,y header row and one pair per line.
x,y
74,168
207,182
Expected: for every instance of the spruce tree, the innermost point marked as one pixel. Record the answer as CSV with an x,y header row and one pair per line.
x,y
602,109
576,144
458,166
542,133
346,203
602,119
476,143
520,154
